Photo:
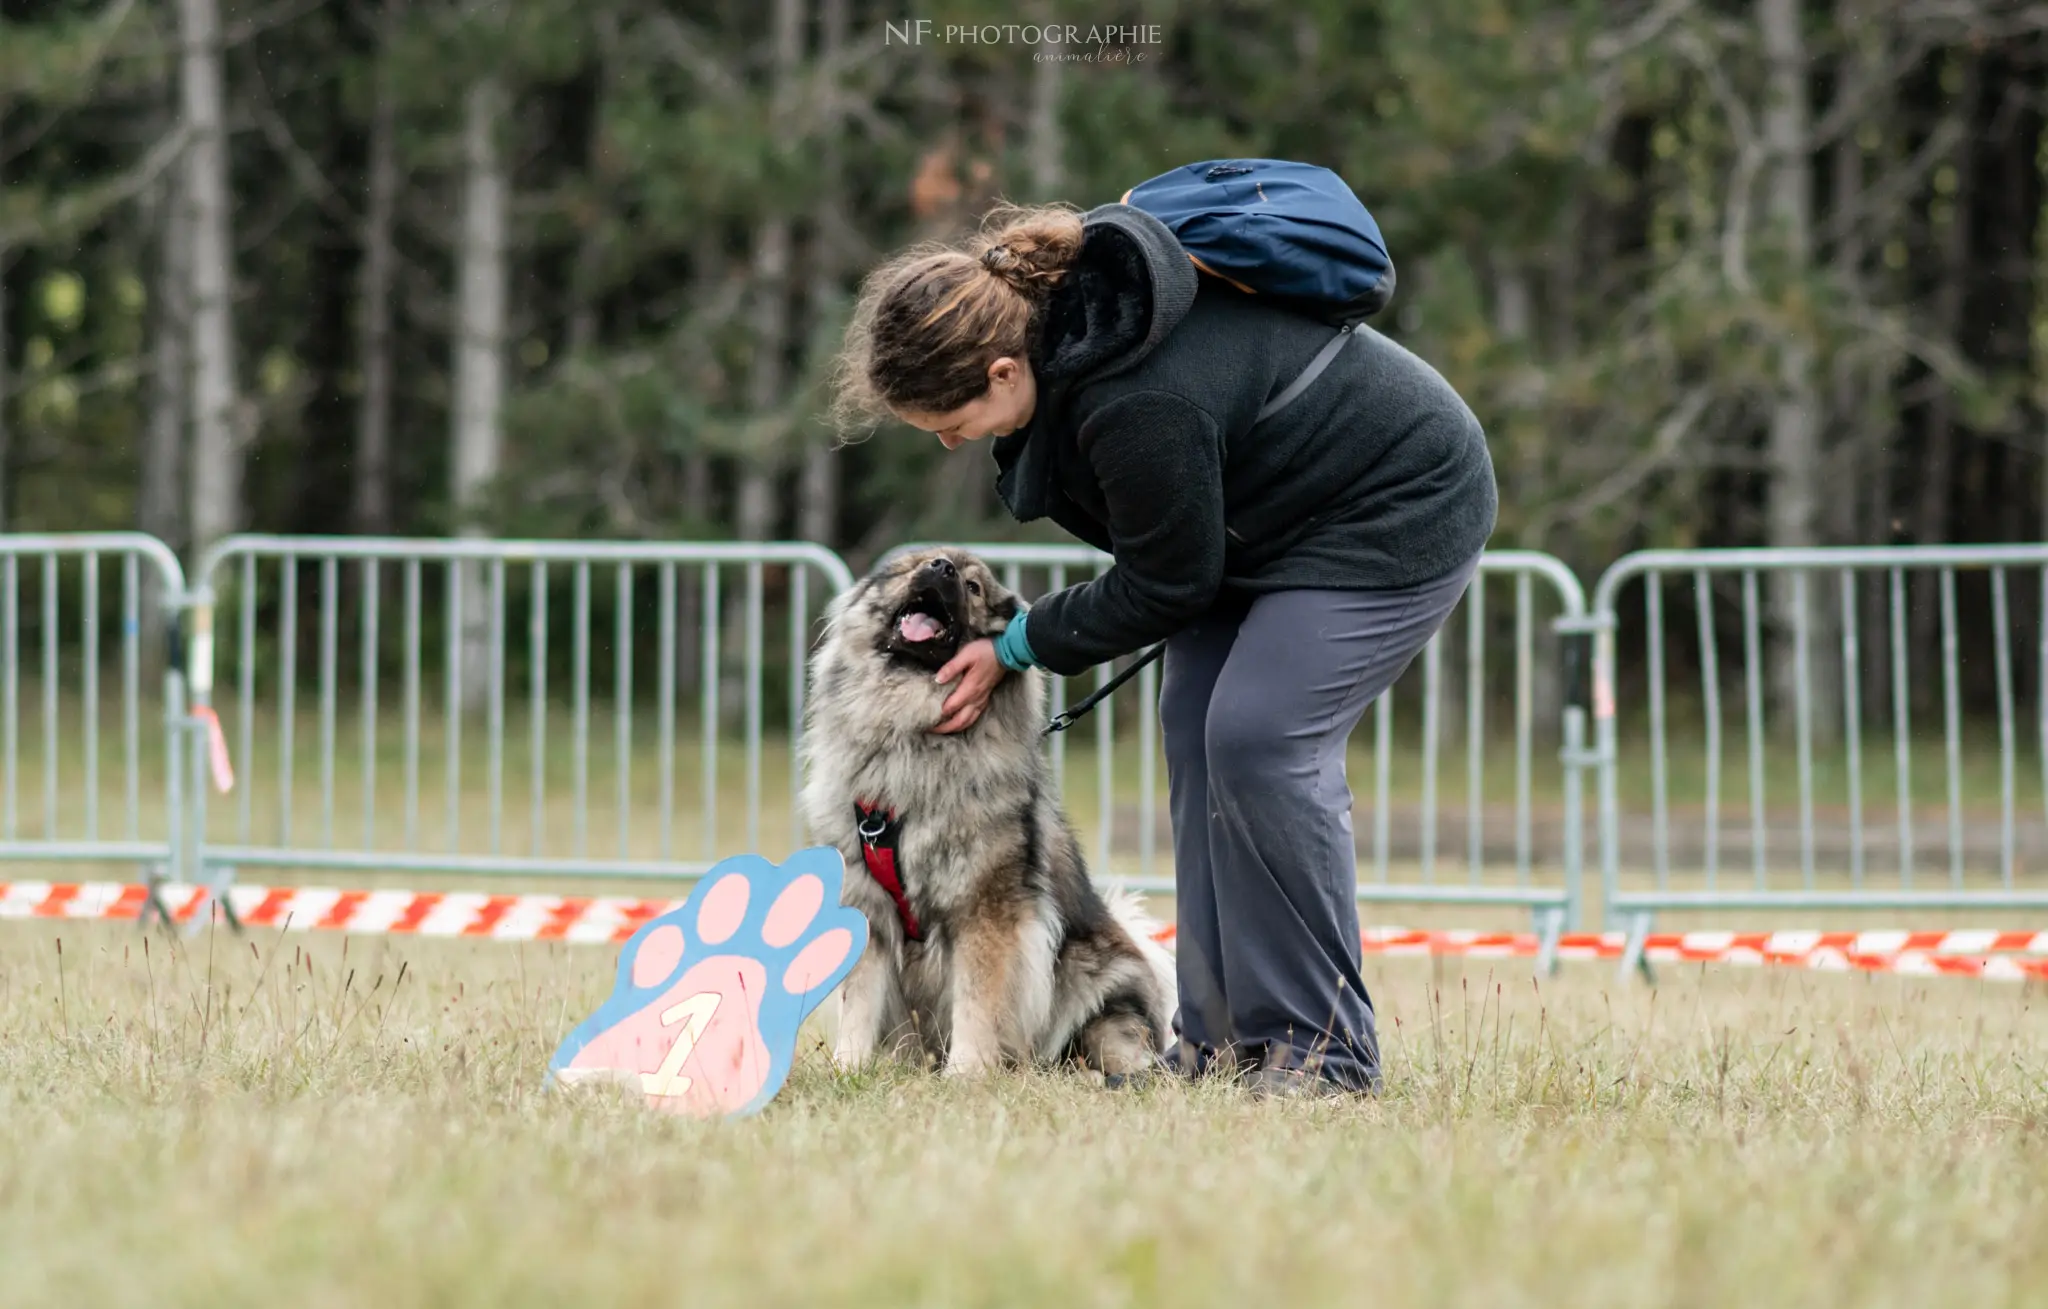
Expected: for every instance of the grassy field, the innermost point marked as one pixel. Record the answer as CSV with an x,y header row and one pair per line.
x,y
324,1122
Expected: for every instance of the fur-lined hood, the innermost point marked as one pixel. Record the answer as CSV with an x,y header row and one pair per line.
x,y
1129,287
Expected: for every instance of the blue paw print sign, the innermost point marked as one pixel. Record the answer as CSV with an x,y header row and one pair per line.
x,y
704,1015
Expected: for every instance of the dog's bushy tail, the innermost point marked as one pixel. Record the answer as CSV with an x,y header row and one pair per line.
x,y
1128,908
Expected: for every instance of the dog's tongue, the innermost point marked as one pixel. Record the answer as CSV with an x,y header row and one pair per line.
x,y
919,627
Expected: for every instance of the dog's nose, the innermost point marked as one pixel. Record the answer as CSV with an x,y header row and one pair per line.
x,y
941,566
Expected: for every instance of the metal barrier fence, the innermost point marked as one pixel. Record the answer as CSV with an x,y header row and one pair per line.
x,y
265,596
1554,899
1834,608
96,581
399,706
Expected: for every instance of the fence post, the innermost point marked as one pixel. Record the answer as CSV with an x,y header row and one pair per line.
x,y
1575,632
200,723
1589,685
176,858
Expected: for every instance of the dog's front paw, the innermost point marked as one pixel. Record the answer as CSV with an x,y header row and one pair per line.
x,y
849,1057
970,1063
710,996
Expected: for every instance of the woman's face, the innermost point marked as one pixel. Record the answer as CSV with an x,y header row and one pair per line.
x,y
1007,405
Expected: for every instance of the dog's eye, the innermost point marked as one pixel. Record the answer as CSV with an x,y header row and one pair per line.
x,y
973,588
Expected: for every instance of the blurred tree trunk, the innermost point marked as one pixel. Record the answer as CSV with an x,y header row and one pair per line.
x,y
219,424
372,462
1796,420
818,486
698,514
768,374
2038,353
1046,143
590,247
1849,407
159,497
479,357
2037,339
1931,512
1514,320
1863,461
6,374
1935,477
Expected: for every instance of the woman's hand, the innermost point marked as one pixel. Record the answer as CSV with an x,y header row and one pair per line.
x,y
978,671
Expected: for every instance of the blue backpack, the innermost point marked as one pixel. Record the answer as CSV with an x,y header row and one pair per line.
x,y
1271,227
1292,232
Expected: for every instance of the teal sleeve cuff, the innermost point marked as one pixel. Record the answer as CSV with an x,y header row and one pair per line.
x,y
1014,648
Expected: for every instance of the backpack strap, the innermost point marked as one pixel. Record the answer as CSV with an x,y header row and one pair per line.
x,y
1324,358
1220,276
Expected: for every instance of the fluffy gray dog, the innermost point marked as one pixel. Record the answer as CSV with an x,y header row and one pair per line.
x,y
988,943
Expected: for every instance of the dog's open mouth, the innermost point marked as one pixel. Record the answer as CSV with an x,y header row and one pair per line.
x,y
926,629
926,622
918,627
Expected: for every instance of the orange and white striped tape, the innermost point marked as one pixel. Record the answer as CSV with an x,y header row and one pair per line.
x,y
303,909
2002,955
1994,955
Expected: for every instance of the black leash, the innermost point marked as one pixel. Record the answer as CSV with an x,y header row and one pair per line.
x,y
1061,722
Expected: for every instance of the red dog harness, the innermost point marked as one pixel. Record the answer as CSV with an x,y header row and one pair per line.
x,y
878,833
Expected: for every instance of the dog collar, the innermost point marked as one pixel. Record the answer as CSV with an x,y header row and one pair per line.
x,y
878,832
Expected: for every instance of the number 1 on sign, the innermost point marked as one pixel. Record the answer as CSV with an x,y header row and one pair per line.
x,y
695,1015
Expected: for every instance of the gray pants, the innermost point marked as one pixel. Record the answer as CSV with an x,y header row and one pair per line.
x,y
1258,699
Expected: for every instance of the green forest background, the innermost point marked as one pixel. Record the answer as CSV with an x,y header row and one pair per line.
x,y
1712,274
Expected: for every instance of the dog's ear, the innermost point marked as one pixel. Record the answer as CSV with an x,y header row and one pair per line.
x,y
1005,607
